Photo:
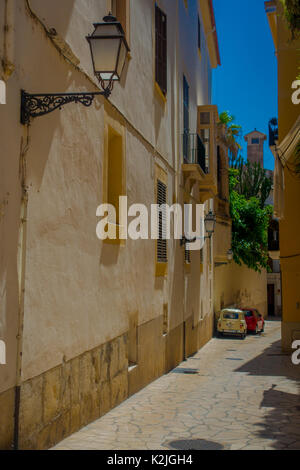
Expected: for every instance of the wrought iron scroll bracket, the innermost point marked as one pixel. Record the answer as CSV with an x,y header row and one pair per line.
x,y
35,105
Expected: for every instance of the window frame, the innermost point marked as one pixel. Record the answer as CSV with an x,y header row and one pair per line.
x,y
186,118
161,47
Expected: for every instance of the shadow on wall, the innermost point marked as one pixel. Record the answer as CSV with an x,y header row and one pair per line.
x,y
281,424
49,15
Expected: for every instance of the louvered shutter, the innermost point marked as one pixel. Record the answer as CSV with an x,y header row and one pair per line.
x,y
161,242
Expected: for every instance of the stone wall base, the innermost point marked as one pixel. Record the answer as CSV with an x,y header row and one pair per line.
x,y
7,409
62,400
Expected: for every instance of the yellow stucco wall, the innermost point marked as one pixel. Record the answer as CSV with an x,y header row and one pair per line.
x,y
288,70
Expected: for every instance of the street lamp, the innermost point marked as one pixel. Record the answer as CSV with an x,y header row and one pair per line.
x,y
210,222
108,50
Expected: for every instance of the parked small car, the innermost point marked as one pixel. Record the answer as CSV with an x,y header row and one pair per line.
x,y
232,322
255,321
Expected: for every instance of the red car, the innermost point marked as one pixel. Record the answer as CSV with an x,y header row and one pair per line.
x,y
255,321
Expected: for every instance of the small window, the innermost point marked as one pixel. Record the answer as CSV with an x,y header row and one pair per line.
x,y
186,119
199,34
161,49
161,242
219,172
255,141
205,118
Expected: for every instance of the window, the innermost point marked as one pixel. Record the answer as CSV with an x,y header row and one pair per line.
x,y
115,170
114,174
186,119
161,242
199,34
219,172
161,49
255,141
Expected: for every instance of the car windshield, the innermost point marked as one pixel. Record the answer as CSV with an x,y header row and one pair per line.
x,y
231,315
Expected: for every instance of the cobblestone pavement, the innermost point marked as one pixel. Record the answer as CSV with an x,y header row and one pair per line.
x,y
232,394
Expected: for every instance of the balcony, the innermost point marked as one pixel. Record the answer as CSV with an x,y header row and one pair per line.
x,y
194,151
200,153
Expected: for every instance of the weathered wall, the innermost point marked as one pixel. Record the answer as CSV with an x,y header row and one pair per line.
x,y
240,286
79,293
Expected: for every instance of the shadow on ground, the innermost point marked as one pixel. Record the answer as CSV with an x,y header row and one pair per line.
x,y
194,444
282,423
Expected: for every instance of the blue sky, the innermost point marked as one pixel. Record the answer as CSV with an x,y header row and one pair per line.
x,y
246,83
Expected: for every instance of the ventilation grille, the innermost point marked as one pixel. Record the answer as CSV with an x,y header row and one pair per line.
x,y
161,242
187,256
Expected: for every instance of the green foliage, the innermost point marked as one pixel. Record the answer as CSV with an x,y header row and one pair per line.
x,y
253,181
233,132
292,16
250,222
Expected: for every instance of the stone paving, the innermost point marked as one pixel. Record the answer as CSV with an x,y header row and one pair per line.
x,y
233,394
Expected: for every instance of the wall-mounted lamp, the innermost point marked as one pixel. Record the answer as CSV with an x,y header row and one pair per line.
x,y
209,224
109,50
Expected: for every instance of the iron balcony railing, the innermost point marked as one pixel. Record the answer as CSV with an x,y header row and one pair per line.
x,y
194,151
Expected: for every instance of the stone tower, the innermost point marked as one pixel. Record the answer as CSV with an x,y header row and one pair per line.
x,y
255,146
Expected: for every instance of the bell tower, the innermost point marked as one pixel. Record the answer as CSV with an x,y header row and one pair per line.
x,y
255,147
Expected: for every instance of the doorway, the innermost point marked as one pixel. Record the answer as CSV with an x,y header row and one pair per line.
x,y
271,300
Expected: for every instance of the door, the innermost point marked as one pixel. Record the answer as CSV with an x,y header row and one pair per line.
x,y
271,300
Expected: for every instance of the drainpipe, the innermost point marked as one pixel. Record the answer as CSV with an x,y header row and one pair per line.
x,y
21,259
8,41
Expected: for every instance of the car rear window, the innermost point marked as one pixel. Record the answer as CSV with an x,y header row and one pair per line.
x,y
248,313
231,316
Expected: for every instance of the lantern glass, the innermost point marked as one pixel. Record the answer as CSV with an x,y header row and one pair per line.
x,y
210,222
108,49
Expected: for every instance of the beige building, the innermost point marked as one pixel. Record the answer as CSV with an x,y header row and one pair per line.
x,y
255,147
88,323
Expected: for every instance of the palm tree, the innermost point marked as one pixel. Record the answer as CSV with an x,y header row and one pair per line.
x,y
232,133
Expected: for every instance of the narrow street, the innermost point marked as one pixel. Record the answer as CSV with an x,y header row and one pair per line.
x,y
232,394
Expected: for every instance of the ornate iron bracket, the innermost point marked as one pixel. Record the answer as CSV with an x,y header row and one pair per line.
x,y
35,105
